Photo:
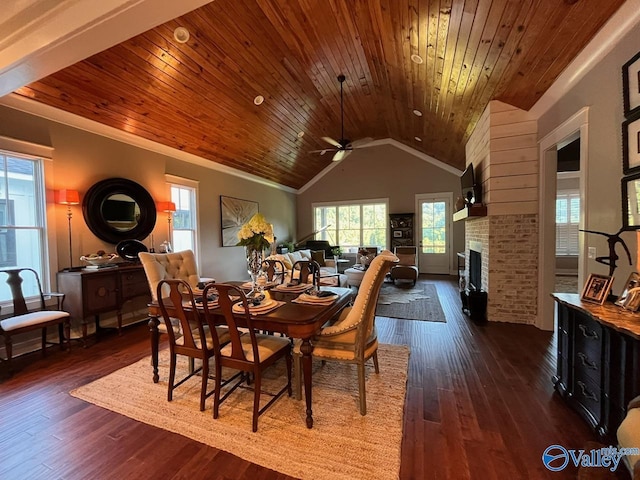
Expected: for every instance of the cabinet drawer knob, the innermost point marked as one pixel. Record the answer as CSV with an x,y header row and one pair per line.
x,y
588,333
586,362
586,393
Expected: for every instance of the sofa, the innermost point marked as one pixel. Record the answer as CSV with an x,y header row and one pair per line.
x,y
328,272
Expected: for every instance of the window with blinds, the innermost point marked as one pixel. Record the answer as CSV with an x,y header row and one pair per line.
x,y
567,222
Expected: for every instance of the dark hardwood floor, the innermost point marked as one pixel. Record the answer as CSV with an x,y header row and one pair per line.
x,y
480,404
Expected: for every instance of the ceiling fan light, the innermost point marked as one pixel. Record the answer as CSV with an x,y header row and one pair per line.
x,y
258,100
415,58
417,113
181,35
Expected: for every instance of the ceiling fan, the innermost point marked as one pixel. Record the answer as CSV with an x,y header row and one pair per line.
x,y
344,146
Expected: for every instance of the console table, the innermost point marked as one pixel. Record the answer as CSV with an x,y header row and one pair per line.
x,y
92,292
598,361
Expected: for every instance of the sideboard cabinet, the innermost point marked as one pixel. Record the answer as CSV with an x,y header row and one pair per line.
x,y
598,361
92,292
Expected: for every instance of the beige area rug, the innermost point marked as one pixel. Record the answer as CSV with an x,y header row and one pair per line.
x,y
411,303
342,444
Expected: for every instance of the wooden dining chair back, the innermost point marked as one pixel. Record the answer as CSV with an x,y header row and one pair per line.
x,y
23,320
274,269
249,352
352,337
177,303
303,269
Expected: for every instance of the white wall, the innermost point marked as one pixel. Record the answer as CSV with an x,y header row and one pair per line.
x,y
601,91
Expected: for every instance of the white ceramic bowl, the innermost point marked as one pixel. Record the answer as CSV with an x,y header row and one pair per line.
x,y
98,260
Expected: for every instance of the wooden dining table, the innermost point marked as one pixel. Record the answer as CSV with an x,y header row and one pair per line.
x,y
295,320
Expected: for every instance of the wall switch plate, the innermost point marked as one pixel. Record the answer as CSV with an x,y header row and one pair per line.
x,y
592,252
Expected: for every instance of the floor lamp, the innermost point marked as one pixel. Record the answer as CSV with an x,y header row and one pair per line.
x,y
168,208
68,198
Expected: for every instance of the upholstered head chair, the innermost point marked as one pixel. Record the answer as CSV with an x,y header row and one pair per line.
x,y
352,338
169,266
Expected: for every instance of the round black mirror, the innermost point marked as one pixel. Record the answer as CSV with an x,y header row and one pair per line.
x,y
117,209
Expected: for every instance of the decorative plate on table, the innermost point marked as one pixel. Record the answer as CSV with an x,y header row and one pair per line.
x,y
129,249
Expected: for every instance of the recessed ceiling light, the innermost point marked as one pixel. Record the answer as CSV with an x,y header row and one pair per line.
x,y
415,58
418,139
258,100
181,35
417,113
300,134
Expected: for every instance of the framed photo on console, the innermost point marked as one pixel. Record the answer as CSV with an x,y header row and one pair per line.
x,y
630,296
631,84
596,288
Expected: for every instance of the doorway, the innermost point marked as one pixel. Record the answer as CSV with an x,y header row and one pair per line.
x,y
576,127
434,219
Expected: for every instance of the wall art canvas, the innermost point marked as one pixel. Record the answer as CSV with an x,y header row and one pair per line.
x,y
234,213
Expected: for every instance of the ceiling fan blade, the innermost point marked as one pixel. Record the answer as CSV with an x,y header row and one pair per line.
x,y
361,142
324,150
340,154
331,141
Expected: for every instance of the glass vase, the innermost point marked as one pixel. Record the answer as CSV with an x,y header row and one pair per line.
x,y
254,267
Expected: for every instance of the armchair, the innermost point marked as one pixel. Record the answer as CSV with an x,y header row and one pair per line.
x,y
407,267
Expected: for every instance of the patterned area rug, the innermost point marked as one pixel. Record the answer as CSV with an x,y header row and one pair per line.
x,y
410,303
341,445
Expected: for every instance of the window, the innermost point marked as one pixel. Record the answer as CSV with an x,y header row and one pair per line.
x,y
22,220
184,219
434,227
567,222
351,225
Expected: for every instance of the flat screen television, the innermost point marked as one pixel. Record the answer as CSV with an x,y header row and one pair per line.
x,y
468,183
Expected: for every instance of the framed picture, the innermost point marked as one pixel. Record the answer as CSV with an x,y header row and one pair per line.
x,y
234,213
596,288
631,144
397,234
631,85
631,202
630,297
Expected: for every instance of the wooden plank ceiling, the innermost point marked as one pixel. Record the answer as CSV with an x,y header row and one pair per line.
x,y
198,96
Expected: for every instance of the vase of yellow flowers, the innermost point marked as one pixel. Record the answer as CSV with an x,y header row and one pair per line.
x,y
256,235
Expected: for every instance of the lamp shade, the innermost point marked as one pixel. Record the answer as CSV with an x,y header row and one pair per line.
x,y
166,207
68,197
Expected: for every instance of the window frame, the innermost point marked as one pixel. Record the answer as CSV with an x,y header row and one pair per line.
x,y
360,204
189,184
45,210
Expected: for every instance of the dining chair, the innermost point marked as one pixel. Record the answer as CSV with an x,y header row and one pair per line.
x,y
24,320
165,266
249,353
302,269
352,338
274,269
195,341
